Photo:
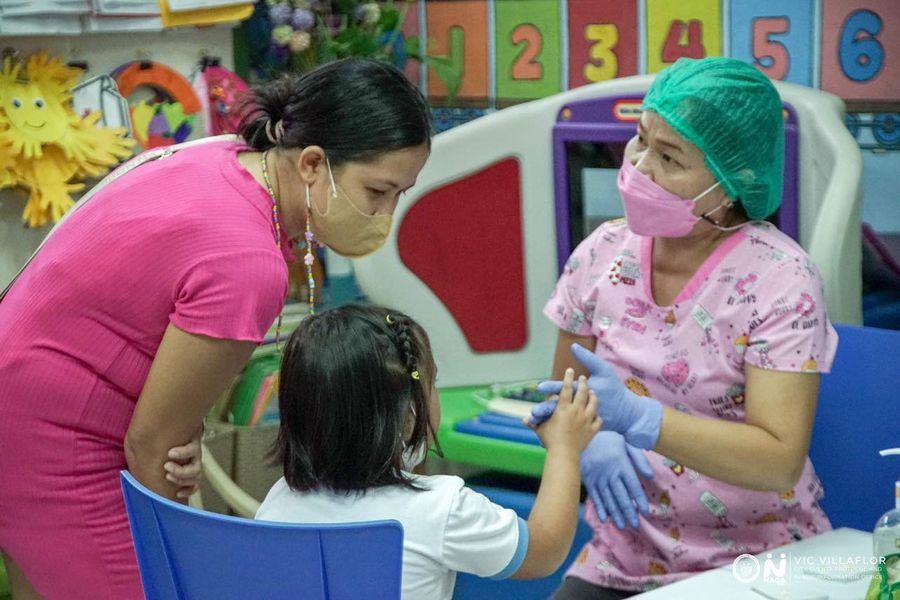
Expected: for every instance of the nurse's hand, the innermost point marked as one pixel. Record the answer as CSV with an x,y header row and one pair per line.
x,y
609,470
183,467
636,417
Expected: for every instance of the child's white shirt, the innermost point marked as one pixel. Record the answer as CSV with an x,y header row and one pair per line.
x,y
446,528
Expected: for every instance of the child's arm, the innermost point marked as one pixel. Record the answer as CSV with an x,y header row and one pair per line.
x,y
552,522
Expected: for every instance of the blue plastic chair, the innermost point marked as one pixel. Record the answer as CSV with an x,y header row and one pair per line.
x,y
858,414
190,554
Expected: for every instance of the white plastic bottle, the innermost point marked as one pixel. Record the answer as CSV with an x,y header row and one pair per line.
x,y
886,543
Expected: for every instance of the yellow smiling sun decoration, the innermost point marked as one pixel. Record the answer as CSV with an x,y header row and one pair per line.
x,y
45,146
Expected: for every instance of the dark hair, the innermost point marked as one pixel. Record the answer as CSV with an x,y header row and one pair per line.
x,y
347,386
354,108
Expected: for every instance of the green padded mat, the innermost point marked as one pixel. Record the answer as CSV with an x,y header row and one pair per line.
x,y
461,404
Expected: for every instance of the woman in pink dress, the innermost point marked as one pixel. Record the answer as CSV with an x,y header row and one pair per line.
x,y
703,329
132,318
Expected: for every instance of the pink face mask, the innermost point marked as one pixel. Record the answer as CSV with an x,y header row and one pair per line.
x,y
651,210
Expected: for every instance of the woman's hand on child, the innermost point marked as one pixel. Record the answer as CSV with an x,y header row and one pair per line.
x,y
183,467
575,419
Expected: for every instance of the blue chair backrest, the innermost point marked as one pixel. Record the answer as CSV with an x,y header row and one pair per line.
x,y
189,554
858,414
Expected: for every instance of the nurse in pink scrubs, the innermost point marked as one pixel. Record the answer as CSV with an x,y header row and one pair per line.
x,y
703,330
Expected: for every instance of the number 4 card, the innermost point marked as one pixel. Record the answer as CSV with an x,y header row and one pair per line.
x,y
690,28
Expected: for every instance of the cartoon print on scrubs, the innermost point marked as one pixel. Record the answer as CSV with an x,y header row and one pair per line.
x,y
716,508
636,386
705,320
624,269
573,317
726,405
675,467
677,547
636,312
789,498
756,301
665,501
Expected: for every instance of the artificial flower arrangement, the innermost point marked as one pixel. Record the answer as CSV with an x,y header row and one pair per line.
x,y
306,33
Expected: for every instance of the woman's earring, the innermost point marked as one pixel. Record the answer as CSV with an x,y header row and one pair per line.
x,y
308,205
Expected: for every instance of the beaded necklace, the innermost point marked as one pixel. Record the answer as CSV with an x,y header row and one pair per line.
x,y
308,236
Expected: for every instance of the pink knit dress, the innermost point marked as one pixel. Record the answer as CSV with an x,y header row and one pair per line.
x,y
187,239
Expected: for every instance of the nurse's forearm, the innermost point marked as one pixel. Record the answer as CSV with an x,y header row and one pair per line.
x,y
740,454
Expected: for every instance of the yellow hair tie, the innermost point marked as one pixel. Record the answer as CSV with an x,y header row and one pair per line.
x,y
415,375
389,320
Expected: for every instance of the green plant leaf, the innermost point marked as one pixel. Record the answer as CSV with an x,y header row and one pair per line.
x,y
345,6
389,19
411,48
448,73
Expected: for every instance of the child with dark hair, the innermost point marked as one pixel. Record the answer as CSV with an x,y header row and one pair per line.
x,y
359,409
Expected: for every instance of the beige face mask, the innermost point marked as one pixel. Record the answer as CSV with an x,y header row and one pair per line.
x,y
343,227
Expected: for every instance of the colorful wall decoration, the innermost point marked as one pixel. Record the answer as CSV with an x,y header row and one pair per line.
x,y
459,30
861,48
602,41
527,39
689,29
514,50
777,36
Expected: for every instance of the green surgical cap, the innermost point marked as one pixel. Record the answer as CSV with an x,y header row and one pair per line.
x,y
733,113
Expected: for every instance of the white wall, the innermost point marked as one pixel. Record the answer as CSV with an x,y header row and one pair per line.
x,y
180,49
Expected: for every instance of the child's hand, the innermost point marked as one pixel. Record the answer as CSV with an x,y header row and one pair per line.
x,y
575,420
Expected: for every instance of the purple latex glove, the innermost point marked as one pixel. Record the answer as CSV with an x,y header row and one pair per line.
x,y
609,470
542,411
636,417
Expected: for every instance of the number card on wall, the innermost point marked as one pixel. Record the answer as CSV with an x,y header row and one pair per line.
x,y
528,48
602,40
690,28
458,30
861,49
776,37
